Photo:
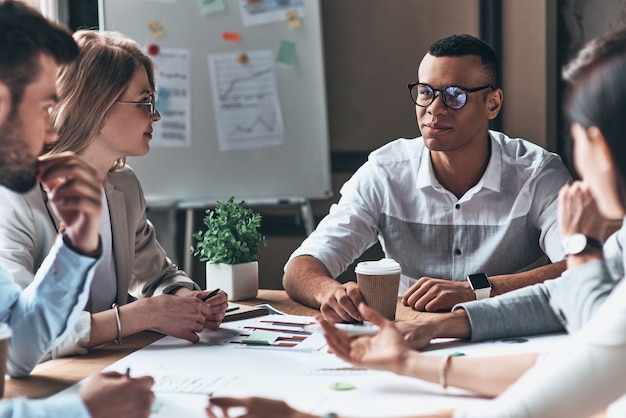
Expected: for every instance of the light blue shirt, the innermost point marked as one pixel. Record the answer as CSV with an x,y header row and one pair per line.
x,y
505,224
70,406
39,317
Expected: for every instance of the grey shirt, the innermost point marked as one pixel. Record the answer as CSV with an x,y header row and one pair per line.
x,y
562,304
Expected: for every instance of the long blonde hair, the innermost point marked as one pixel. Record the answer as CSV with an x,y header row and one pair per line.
x,y
90,85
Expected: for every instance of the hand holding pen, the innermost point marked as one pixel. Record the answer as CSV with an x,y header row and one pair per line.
x,y
210,295
216,307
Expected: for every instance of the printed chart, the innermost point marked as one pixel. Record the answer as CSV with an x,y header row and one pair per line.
x,y
246,102
275,331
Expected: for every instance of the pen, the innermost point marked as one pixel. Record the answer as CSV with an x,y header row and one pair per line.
x,y
210,295
232,308
128,372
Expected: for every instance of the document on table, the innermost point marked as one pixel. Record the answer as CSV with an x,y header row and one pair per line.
x,y
305,376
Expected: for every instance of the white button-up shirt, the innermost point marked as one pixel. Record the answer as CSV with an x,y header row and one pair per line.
x,y
505,224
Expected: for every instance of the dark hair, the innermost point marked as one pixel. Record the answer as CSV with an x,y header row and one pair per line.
x,y
24,35
596,94
461,45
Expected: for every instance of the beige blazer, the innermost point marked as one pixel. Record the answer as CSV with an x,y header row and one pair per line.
x,y
29,227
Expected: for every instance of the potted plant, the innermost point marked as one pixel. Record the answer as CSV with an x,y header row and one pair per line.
x,y
229,245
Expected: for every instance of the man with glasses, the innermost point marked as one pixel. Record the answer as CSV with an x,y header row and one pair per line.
x,y
469,213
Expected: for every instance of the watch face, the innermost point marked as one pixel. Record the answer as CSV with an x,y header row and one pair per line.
x,y
575,243
479,281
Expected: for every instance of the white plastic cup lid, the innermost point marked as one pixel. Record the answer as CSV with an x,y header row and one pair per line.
x,y
382,266
5,331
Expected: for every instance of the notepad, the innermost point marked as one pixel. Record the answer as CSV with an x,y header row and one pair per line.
x,y
237,311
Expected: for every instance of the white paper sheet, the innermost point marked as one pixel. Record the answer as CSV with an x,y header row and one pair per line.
x,y
174,102
245,100
187,373
268,11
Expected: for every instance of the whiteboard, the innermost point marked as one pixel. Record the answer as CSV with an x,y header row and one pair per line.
x,y
296,168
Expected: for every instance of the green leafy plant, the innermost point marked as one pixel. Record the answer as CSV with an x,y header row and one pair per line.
x,y
231,236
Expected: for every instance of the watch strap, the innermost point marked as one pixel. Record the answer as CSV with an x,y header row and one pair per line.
x,y
571,248
484,293
594,243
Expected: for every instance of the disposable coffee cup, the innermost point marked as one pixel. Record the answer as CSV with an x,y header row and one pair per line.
x,y
5,334
378,283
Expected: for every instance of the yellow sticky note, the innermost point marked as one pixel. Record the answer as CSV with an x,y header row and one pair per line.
x,y
293,19
156,29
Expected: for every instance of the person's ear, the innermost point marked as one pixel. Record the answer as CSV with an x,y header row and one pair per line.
x,y
494,103
598,141
5,103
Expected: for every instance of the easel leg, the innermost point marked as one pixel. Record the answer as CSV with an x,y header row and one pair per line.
x,y
307,216
189,218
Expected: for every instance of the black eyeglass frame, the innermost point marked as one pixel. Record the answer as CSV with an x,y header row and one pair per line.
x,y
466,90
151,102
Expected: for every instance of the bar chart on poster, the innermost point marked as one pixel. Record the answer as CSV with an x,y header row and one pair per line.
x,y
241,95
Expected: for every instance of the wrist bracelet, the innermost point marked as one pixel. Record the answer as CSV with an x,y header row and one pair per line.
x,y
118,340
443,370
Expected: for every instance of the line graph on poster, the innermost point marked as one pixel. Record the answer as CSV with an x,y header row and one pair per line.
x,y
245,100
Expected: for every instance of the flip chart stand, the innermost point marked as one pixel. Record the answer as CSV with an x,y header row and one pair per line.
x,y
190,207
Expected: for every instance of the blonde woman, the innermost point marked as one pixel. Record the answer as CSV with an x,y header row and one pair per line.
x,y
105,113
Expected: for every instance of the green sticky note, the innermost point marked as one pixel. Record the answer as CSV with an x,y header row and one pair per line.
x,y
163,100
287,53
341,386
211,6
156,406
261,337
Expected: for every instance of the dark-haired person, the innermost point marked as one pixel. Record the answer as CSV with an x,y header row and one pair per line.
x,y
457,201
584,374
31,48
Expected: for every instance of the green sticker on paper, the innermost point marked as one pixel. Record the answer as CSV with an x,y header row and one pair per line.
x,y
261,337
341,386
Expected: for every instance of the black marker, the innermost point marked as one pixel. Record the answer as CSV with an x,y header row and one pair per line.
x,y
210,295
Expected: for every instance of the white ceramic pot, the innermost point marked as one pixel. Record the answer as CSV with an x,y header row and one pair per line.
x,y
239,281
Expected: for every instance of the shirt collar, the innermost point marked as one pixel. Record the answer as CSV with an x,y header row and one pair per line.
x,y
490,180
425,173
492,177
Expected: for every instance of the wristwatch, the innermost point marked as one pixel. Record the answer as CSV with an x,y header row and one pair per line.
x,y
577,243
480,285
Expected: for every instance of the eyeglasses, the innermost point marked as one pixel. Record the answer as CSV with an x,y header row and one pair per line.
x,y
454,97
150,102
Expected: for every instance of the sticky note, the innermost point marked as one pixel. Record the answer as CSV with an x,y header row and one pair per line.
x,y
231,36
293,19
261,337
287,53
341,386
156,406
156,29
163,100
211,6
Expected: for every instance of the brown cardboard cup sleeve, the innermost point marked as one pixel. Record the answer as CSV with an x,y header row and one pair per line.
x,y
378,283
